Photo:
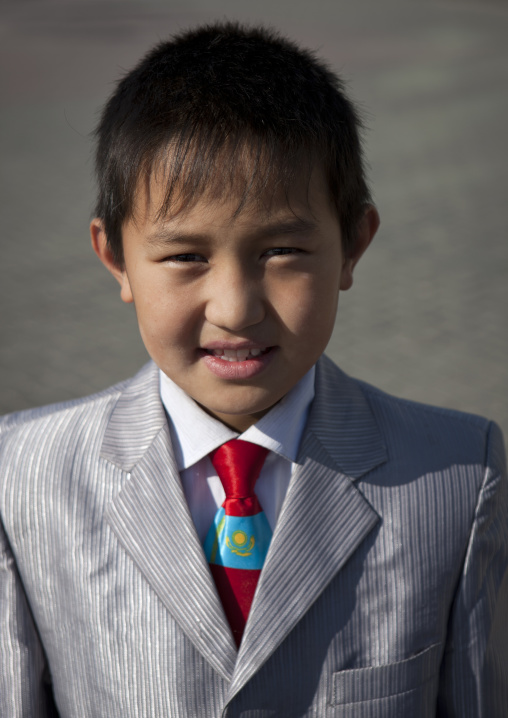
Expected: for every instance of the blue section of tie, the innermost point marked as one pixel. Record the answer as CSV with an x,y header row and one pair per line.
x,y
238,541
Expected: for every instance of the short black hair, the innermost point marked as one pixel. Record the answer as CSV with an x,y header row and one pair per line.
x,y
222,97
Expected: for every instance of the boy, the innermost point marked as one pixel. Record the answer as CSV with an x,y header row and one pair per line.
x,y
232,210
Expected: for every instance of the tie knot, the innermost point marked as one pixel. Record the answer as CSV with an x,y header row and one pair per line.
x,y
238,464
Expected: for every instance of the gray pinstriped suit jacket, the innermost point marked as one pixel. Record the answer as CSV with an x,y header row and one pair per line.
x,y
384,593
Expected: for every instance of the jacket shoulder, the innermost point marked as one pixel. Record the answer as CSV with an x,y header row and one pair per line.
x,y
464,438
429,435
44,417
426,412
42,414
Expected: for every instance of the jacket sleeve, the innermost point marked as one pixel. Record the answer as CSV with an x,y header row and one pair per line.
x,y
24,691
474,675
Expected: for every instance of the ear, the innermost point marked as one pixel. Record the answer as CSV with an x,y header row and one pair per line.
x,y
103,251
367,228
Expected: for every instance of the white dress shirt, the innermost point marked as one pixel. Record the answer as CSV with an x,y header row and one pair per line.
x,y
195,434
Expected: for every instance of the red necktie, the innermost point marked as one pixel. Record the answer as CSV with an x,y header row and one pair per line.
x,y
239,538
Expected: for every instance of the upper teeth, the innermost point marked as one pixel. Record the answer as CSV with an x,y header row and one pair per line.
x,y
236,354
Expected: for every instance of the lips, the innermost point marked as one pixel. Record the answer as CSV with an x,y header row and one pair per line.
x,y
238,363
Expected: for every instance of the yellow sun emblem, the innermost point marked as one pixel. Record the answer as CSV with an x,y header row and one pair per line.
x,y
240,543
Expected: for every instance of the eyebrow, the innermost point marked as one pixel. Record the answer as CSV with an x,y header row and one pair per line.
x,y
167,236
298,225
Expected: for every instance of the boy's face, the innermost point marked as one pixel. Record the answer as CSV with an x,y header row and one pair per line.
x,y
235,310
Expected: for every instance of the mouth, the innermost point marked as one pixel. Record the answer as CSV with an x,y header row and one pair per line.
x,y
239,364
238,355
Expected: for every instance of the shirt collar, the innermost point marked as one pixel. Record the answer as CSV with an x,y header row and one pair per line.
x,y
195,434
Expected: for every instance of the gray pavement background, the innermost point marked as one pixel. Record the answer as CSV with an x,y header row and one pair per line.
x,y
427,317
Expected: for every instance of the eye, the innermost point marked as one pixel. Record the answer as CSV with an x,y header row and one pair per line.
x,y
281,251
187,257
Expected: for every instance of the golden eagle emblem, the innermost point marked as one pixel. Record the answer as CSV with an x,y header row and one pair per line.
x,y
240,543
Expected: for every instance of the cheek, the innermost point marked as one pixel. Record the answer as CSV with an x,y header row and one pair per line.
x,y
165,315
308,310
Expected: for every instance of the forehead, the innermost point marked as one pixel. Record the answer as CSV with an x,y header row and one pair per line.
x,y
242,196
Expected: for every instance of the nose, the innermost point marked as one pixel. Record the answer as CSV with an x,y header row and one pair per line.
x,y
235,299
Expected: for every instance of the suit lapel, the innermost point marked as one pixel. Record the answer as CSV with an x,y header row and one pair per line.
x,y
151,519
324,519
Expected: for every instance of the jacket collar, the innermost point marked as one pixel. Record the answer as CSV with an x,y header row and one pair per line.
x,y
342,421
136,419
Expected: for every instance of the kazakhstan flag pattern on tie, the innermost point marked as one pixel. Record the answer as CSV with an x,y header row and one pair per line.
x,y
240,535
238,541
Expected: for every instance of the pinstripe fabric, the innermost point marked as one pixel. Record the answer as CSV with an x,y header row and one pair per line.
x,y
384,592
